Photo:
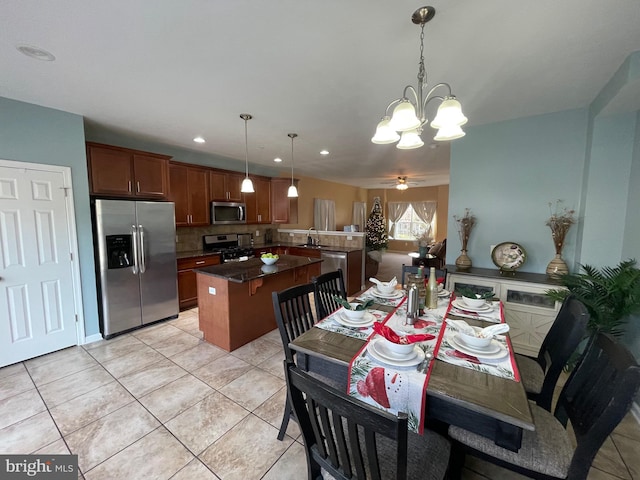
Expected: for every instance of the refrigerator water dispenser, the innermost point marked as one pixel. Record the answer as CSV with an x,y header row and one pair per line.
x,y
119,251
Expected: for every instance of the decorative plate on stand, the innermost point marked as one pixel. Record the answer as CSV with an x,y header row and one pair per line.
x,y
508,256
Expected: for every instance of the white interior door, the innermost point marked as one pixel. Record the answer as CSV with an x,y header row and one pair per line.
x,y
37,304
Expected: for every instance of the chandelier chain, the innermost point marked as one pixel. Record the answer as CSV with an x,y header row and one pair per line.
x,y
421,70
246,148
292,137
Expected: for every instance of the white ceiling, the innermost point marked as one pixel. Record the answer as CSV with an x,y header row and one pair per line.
x,y
166,71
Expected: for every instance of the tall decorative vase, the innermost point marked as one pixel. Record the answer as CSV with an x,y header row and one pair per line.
x,y
422,251
557,266
463,262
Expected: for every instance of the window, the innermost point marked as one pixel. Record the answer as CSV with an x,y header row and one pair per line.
x,y
409,226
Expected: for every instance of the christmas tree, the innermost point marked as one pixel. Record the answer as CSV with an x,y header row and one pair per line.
x,y
376,227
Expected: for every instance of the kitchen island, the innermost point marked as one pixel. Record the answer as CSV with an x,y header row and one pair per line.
x,y
234,299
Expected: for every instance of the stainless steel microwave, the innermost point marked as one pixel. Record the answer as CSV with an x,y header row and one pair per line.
x,y
228,213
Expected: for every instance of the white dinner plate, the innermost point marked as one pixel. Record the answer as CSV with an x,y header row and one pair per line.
x,y
444,293
343,320
372,348
394,294
463,306
502,351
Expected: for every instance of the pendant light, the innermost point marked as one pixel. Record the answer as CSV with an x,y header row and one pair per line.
x,y
247,184
293,191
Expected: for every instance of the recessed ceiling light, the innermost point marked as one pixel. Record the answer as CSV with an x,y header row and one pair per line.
x,y
198,140
277,159
324,152
36,52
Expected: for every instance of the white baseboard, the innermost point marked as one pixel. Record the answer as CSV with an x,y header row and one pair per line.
x,y
92,338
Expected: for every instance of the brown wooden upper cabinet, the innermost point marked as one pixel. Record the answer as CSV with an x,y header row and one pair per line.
x,y
122,172
225,186
259,202
189,190
283,208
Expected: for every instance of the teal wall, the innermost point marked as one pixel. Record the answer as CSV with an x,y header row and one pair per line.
x,y
507,173
631,238
607,190
30,133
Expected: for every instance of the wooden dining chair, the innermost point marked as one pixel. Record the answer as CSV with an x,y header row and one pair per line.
x,y
345,438
596,397
411,270
326,286
294,316
540,375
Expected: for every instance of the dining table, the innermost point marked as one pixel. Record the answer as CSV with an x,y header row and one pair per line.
x,y
490,405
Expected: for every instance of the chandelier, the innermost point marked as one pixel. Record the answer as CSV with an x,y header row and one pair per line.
x,y
409,115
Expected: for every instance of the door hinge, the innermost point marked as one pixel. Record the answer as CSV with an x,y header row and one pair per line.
x,y
71,256
76,318
66,191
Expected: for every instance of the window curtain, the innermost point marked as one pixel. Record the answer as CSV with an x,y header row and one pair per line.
x,y
395,210
359,216
324,214
425,212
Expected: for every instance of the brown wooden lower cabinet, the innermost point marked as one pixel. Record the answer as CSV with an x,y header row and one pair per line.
x,y
187,282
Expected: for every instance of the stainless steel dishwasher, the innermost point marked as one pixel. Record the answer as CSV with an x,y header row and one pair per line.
x,y
333,261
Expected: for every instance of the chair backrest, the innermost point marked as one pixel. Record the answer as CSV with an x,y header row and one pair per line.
x,y
340,432
596,397
568,329
294,314
326,286
411,270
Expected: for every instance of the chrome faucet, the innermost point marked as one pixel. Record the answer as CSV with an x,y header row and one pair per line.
x,y
309,239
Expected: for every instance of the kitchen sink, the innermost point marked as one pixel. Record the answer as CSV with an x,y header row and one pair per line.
x,y
305,245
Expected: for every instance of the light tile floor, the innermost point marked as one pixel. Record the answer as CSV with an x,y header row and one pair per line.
x,y
161,403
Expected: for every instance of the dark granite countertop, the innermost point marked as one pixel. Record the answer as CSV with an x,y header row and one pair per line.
x,y
194,253
328,248
200,253
254,268
495,273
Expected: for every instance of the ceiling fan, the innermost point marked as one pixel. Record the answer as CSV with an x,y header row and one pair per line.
x,y
401,183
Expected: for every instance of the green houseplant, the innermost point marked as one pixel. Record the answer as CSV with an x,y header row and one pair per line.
x,y
610,294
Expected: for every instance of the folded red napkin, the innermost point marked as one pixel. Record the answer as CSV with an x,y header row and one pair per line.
x,y
392,336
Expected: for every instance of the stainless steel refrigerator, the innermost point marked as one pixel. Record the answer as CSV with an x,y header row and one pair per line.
x,y
136,263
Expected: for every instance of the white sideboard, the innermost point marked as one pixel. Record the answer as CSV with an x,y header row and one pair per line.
x,y
527,310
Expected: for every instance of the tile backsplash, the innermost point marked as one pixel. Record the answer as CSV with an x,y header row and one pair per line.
x,y
190,238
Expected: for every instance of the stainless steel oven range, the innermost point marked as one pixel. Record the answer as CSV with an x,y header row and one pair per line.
x,y
228,247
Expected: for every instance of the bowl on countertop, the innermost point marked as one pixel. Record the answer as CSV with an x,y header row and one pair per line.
x,y
269,260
